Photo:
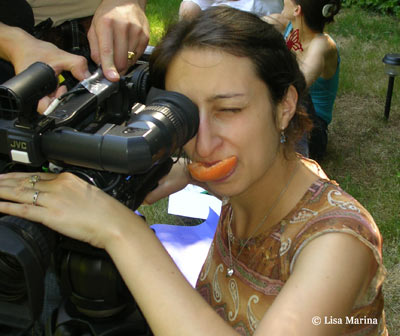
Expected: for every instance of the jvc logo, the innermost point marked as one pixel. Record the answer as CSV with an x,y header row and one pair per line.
x,y
18,145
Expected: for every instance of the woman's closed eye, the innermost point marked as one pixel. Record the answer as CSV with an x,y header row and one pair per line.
x,y
230,109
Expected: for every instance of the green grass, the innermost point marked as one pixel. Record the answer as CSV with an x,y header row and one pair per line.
x,y
364,148
161,13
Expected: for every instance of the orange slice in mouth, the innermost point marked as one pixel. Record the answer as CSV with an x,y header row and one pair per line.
x,y
204,172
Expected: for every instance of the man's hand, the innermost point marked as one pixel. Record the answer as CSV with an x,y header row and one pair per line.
x,y
118,26
22,49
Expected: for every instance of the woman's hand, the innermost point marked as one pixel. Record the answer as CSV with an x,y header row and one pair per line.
x,y
177,179
65,204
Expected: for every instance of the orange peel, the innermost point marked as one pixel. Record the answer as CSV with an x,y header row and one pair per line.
x,y
204,172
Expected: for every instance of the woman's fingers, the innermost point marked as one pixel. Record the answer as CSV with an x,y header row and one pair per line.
x,y
65,204
23,210
19,175
22,195
25,180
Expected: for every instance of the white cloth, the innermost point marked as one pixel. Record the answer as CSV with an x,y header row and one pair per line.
x,y
62,10
188,245
258,7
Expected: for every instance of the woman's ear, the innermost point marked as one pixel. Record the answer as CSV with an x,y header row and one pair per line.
x,y
287,108
298,10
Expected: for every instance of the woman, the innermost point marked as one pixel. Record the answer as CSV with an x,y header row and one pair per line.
x,y
303,23
272,270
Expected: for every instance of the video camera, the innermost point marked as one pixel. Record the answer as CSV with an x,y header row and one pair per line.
x,y
119,136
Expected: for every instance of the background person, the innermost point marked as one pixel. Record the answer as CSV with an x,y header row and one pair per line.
x,y
113,27
287,235
190,8
303,23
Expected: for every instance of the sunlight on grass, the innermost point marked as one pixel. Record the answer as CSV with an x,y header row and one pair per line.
x,y
161,13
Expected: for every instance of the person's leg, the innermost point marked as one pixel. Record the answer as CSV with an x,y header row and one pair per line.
x,y
318,139
302,146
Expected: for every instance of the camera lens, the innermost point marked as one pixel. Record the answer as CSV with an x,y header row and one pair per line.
x,y
179,110
12,279
22,242
171,119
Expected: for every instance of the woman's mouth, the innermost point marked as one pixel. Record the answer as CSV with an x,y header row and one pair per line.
x,y
206,172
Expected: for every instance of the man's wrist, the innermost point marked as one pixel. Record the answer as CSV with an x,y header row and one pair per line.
x,y
10,37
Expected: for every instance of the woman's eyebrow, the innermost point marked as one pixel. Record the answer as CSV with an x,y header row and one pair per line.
x,y
225,96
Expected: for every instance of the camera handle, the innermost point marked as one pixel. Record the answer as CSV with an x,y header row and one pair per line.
x,y
62,323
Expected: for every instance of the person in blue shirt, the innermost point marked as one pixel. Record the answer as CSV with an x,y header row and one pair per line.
x,y
302,22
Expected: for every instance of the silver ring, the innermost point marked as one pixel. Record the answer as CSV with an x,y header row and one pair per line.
x,y
33,180
35,197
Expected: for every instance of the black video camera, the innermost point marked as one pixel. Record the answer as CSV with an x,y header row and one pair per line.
x,y
119,136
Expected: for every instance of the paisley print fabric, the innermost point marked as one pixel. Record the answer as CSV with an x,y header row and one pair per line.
x,y
266,262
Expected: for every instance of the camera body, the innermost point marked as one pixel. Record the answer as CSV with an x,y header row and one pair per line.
x,y
119,136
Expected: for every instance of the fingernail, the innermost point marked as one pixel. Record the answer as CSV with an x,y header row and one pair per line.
x,y
87,74
113,75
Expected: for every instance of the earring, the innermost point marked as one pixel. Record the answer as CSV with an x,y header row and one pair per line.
x,y
283,137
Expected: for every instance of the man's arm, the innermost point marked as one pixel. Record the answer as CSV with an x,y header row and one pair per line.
x,y
22,49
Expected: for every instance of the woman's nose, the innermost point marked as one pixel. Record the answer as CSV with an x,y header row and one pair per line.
x,y
207,138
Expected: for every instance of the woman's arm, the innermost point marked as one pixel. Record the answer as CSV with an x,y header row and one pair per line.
x,y
329,274
313,64
170,304
81,211
327,278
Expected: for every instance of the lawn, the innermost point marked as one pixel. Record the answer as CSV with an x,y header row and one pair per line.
x,y
364,147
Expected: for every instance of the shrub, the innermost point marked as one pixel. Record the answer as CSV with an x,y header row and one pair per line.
x,y
381,6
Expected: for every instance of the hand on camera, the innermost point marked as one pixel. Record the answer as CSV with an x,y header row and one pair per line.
x,y
118,27
177,179
66,204
29,50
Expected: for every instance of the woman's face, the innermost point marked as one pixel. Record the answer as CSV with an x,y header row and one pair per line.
x,y
236,115
289,7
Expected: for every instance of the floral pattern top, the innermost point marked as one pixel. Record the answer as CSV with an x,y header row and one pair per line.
x,y
267,260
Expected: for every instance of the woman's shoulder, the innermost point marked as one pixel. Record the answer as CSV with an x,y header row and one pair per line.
x,y
326,207
330,209
327,198
325,46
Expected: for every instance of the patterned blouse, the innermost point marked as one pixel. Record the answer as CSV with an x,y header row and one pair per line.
x,y
267,261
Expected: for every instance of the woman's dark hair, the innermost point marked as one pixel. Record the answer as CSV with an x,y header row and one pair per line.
x,y
317,13
244,35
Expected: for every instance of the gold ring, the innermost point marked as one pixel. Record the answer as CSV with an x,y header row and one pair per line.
x,y
131,55
33,180
35,197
